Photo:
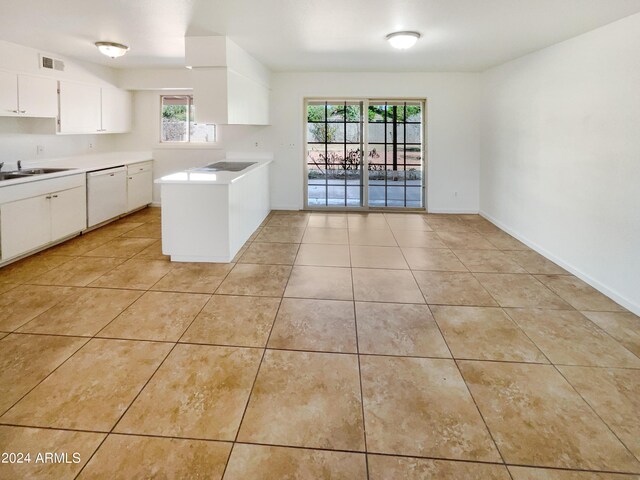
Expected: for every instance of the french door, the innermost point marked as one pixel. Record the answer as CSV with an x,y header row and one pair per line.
x,y
363,153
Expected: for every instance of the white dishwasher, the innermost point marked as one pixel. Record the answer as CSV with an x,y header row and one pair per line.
x,y
106,194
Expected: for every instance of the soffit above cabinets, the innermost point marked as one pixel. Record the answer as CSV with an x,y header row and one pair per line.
x,y
229,85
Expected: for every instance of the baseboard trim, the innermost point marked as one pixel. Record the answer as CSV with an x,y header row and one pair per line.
x,y
612,294
286,207
453,211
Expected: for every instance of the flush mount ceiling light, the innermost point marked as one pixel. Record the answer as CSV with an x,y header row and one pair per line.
x,y
111,49
403,40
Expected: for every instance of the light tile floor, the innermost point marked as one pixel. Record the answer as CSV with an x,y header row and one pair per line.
x,y
342,346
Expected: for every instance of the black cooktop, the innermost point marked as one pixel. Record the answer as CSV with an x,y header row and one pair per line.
x,y
226,166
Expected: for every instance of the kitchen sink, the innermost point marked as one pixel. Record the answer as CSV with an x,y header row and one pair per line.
x,y
11,176
30,172
41,171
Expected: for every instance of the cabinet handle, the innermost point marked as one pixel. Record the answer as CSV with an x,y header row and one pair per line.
x,y
55,196
22,111
48,197
14,111
130,178
113,174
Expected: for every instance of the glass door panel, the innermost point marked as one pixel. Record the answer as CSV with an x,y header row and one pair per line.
x,y
334,154
395,154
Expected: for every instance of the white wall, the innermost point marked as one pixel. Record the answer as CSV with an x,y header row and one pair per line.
x,y
560,164
19,137
452,129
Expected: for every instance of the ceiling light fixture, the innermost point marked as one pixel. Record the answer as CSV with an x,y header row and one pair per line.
x,y
403,40
111,49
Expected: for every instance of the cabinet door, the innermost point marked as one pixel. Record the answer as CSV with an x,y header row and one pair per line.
x,y
8,94
139,190
79,108
37,96
68,212
116,110
25,225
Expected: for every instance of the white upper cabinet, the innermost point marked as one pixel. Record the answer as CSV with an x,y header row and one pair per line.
x,y
28,95
92,109
37,96
79,108
8,94
116,110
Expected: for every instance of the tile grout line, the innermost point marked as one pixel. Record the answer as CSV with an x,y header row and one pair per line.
x,y
355,322
354,452
364,354
467,385
141,389
264,350
463,379
43,379
576,390
57,367
255,379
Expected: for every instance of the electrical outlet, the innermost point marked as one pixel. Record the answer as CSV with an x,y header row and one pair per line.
x,y
90,145
39,149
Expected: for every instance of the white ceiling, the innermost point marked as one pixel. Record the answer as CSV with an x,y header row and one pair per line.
x,y
287,35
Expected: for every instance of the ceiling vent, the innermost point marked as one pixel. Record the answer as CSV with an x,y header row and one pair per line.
x,y
51,63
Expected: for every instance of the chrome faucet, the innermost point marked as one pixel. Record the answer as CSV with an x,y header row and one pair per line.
x,y
1,165
19,165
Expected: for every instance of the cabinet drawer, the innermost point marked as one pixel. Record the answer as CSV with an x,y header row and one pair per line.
x,y
139,167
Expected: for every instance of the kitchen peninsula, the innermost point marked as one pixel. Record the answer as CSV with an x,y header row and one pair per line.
x,y
209,212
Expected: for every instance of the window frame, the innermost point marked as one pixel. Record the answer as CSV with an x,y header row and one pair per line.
x,y
190,114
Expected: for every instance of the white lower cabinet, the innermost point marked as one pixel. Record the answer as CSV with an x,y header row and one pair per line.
x,y
68,212
139,185
34,222
25,225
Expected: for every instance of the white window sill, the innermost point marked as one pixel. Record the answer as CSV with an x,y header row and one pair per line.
x,y
188,146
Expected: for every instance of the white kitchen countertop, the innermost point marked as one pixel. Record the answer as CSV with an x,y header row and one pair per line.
x,y
78,164
194,177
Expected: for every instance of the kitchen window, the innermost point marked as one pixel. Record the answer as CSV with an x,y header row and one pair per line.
x,y
177,122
